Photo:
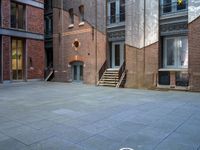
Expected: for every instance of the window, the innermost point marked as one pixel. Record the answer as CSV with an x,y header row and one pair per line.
x,y
17,16
167,6
71,15
116,11
81,11
176,52
112,12
48,4
181,4
17,58
122,10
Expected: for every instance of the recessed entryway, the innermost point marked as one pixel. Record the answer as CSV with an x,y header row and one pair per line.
x,y
77,71
117,54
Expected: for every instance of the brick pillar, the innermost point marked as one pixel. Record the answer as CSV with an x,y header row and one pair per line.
x,y
172,79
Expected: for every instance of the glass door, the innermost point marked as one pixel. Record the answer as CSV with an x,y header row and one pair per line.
x,y
77,71
17,59
117,54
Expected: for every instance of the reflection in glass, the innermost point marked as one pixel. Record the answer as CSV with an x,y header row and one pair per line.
x,y
17,59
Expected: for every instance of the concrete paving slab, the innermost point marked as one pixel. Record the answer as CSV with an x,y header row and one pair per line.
x,y
43,115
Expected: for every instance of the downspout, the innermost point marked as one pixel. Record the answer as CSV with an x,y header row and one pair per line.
x,y
96,42
61,36
144,55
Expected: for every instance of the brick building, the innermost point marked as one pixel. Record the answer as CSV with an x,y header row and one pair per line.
x,y
77,54
22,40
161,43
128,43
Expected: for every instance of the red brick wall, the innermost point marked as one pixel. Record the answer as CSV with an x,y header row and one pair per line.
x,y
5,13
142,66
63,55
151,65
194,54
35,17
35,51
6,57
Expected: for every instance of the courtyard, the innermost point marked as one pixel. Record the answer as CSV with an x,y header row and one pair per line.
x,y
65,116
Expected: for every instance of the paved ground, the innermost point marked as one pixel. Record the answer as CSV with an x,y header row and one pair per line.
x,y
59,116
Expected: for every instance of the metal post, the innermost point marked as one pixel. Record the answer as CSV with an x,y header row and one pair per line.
x,y
96,42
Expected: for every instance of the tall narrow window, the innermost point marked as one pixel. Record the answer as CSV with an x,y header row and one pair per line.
x,y
17,59
81,11
112,12
71,15
122,10
17,16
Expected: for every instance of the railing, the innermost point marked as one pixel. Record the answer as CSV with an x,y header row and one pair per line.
x,y
121,74
48,74
116,18
103,69
174,7
122,69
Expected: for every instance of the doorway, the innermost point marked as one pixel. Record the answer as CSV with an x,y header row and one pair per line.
x,y
17,58
77,71
117,54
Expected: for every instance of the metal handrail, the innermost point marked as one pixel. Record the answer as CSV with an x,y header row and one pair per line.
x,y
122,69
103,69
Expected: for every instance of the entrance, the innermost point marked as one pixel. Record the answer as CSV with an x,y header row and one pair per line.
x,y
77,71
117,54
17,59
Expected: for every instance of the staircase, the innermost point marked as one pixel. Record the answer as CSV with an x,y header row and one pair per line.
x,y
109,78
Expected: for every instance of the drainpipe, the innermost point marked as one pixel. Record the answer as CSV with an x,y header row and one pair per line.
x,y
96,42
144,55
61,36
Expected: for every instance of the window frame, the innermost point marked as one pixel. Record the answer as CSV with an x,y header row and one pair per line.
x,y
17,16
177,49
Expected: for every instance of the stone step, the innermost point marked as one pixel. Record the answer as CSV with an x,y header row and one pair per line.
x,y
107,84
109,79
